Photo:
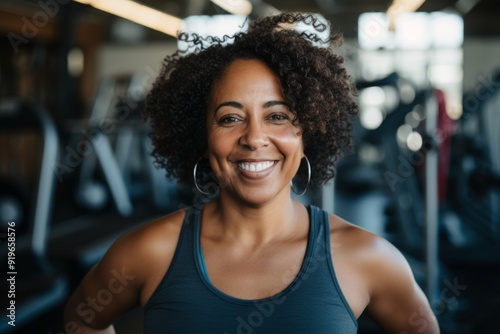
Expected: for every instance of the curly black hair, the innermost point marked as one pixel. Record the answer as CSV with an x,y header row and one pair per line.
x,y
316,87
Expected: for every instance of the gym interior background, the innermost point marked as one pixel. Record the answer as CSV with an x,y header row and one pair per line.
x,y
75,170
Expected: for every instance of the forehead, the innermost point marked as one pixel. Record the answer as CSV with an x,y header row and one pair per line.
x,y
247,76
247,66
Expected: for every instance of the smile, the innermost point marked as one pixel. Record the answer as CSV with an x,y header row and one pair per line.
x,y
256,166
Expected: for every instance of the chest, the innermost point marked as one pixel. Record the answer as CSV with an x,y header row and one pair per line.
x,y
187,302
253,274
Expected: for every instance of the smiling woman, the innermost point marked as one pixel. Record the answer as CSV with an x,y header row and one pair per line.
x,y
253,259
252,140
313,81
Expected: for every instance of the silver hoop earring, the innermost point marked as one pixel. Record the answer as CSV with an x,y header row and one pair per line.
x,y
308,179
194,178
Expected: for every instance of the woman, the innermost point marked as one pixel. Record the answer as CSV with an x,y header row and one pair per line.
x,y
248,118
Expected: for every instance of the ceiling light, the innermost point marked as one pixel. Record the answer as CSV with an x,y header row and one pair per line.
x,y
138,13
214,26
237,7
401,6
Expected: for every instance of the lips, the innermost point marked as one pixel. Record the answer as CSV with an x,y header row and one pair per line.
x,y
256,166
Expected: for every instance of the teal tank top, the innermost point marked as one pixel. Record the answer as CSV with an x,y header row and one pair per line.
x,y
186,302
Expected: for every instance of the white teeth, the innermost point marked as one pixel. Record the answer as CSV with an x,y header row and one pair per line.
x,y
255,167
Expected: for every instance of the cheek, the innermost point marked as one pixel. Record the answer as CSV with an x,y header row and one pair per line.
x,y
219,144
289,142
217,154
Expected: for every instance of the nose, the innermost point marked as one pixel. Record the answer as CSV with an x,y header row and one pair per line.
x,y
254,136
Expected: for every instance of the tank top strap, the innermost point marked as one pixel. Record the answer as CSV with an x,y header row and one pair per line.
x,y
192,223
321,220
320,230
194,241
184,253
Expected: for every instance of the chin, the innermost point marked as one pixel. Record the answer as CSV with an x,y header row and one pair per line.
x,y
256,197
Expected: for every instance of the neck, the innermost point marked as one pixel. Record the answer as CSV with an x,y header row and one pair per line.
x,y
254,225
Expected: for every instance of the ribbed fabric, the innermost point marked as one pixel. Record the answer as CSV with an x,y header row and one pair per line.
x,y
186,302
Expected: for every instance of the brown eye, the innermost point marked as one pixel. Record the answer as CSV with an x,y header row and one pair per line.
x,y
227,120
279,117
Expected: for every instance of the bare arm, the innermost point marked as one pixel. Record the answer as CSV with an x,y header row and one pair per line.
x,y
79,311
397,303
110,289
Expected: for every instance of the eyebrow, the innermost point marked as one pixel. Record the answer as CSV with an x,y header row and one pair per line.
x,y
233,104
275,103
238,105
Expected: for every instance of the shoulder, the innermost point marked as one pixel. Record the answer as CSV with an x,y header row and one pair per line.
x,y
362,245
146,252
159,233
373,252
383,276
371,257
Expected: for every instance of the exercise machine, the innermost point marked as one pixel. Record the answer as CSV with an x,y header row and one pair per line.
x,y
38,286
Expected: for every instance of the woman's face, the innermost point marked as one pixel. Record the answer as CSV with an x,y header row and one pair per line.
x,y
253,147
